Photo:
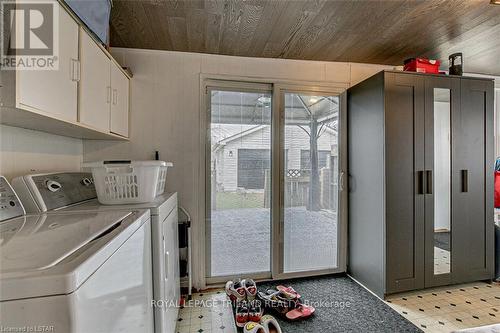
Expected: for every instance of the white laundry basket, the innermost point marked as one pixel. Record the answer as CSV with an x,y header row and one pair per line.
x,y
162,178
123,182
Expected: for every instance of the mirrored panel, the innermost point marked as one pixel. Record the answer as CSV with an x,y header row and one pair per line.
x,y
442,181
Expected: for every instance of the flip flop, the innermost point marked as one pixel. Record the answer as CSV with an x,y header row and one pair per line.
x,y
300,312
289,292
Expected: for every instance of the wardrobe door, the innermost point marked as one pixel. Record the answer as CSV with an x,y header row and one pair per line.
x,y
404,154
473,227
442,105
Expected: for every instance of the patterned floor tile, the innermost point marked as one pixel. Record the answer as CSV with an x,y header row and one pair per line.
x,y
446,309
206,313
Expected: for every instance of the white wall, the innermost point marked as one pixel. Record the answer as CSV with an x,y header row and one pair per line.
x,y
25,151
165,114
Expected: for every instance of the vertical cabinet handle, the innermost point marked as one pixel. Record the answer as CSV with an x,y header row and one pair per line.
x,y
78,70
420,182
115,96
464,176
75,70
108,94
428,186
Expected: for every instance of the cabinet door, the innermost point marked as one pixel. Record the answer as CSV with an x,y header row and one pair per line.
x,y
171,281
404,155
442,107
95,85
120,101
473,228
54,92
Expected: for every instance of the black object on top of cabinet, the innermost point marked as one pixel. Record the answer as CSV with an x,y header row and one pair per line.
x,y
422,214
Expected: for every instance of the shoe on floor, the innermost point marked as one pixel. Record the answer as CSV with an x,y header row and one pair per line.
x,y
253,327
288,292
241,314
270,324
272,301
236,291
255,311
250,288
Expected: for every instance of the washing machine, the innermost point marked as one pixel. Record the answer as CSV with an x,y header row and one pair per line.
x,y
74,272
72,192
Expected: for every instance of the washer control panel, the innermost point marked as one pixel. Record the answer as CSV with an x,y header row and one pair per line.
x,y
63,189
10,206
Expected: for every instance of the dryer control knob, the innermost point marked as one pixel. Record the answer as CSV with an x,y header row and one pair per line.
x,y
53,186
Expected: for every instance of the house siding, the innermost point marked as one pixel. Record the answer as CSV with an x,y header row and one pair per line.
x,y
295,141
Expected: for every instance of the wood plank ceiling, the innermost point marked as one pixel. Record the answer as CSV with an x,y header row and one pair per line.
x,y
369,31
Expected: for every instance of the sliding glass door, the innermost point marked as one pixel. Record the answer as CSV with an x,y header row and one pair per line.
x,y
239,180
273,181
310,177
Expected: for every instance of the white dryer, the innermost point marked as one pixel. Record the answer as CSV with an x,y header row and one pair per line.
x,y
74,192
74,272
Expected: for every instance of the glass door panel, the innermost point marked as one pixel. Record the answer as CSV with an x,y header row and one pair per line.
x,y
442,181
239,184
310,174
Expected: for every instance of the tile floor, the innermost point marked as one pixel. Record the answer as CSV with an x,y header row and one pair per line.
x,y
446,309
209,312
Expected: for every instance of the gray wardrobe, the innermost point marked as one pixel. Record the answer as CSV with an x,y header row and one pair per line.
x,y
421,181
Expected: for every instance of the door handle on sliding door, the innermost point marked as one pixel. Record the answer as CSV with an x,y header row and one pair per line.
x,y
428,185
464,176
420,182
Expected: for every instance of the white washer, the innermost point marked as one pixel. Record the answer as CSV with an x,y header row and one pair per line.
x,y
74,272
74,193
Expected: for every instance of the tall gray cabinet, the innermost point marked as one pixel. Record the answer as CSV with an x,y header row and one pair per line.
x,y
420,181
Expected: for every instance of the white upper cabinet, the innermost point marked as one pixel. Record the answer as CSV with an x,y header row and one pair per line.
x,y
54,92
119,101
95,85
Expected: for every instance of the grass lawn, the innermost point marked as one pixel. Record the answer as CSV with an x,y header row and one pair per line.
x,y
232,200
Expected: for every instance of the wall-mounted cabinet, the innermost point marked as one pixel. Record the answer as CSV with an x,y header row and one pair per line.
x,y
86,97
119,102
95,85
421,181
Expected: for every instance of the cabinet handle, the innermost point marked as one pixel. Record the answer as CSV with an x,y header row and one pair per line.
x,y
428,186
115,96
464,175
78,70
74,64
108,94
420,182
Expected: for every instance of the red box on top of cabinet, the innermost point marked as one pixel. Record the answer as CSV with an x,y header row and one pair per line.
x,y
421,65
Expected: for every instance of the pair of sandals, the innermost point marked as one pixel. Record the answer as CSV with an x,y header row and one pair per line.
x,y
267,324
286,301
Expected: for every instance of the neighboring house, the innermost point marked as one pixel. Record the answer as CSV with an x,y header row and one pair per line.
x,y
243,155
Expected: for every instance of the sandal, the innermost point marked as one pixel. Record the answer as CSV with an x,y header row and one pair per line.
x,y
289,292
274,302
300,312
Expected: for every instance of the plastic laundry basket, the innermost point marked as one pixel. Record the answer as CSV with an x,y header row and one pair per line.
x,y
162,178
123,182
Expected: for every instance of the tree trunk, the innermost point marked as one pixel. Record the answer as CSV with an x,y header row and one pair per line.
x,y
314,203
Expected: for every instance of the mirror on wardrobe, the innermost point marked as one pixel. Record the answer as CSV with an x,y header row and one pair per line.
x,y
442,181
